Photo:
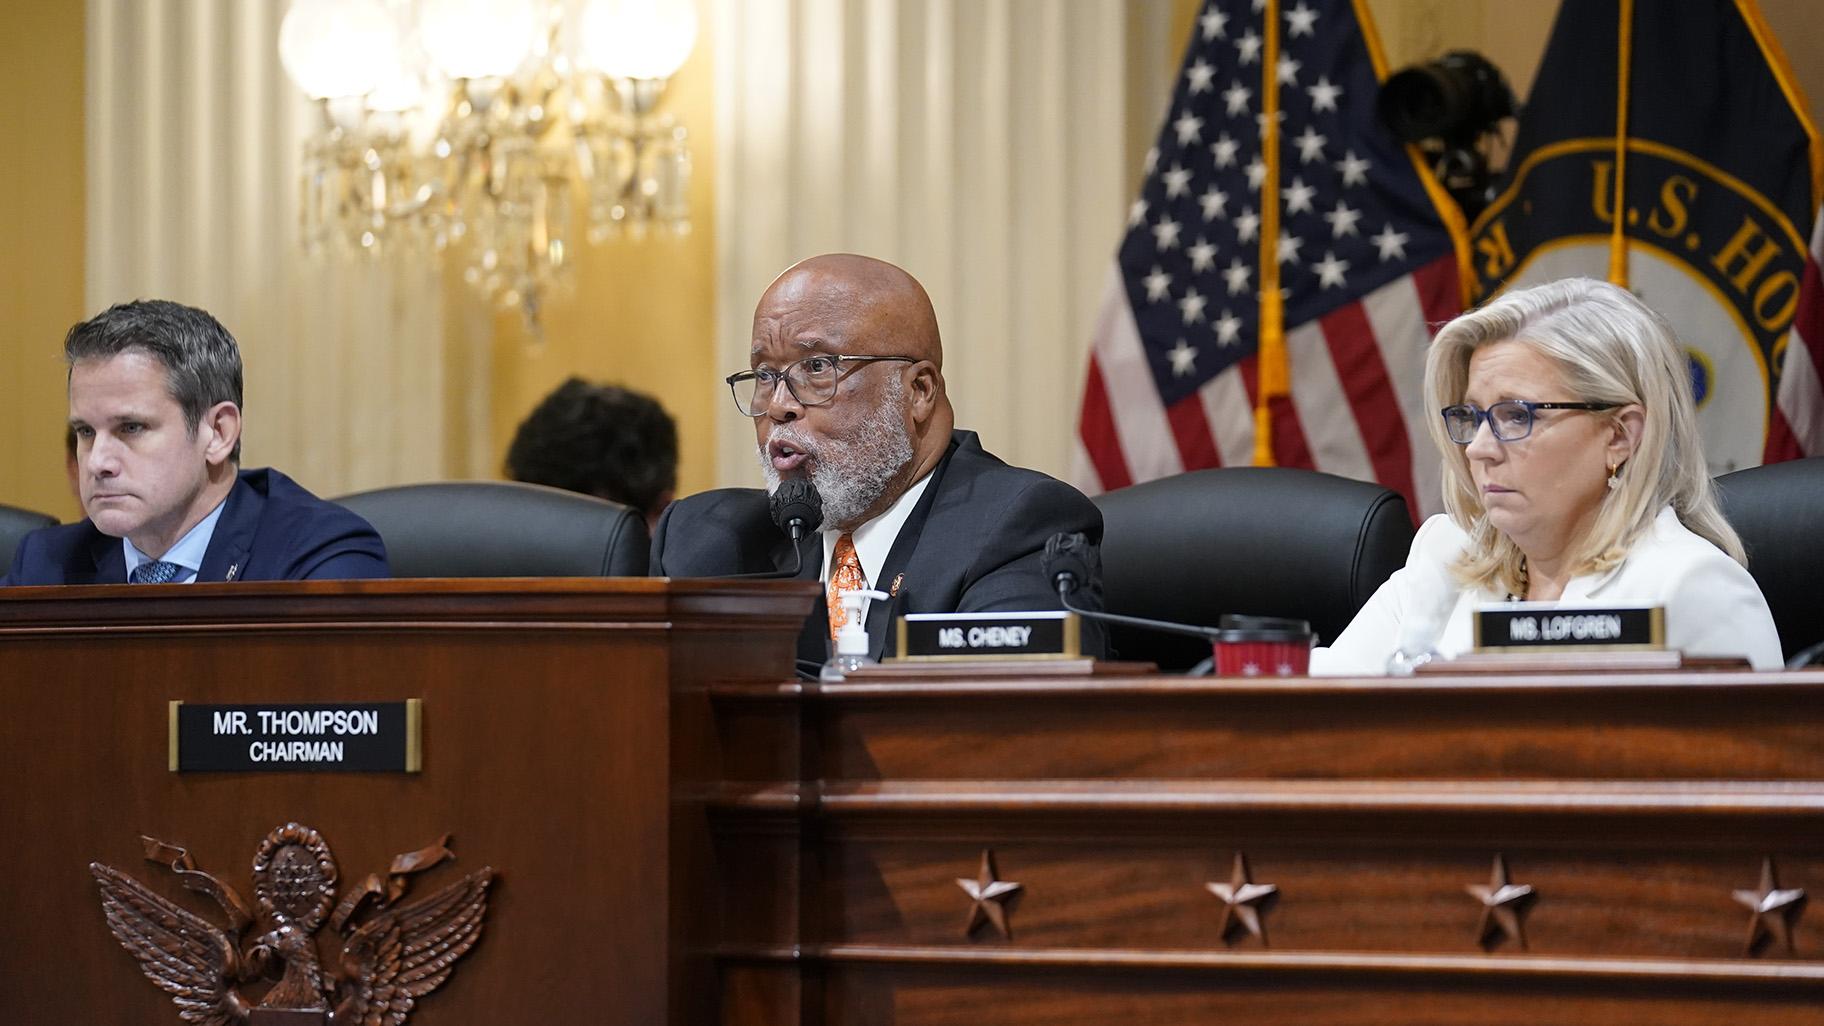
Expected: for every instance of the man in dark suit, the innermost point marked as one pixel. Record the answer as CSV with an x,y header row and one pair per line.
x,y
847,389
155,402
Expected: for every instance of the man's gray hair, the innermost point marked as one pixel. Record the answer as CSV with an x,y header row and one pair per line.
x,y
201,359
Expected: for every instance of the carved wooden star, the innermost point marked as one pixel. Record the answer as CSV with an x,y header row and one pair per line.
x,y
990,896
1243,901
1504,904
1772,909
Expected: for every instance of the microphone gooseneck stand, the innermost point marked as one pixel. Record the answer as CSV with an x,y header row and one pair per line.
x,y
1068,561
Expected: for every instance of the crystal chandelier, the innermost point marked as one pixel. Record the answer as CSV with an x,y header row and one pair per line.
x,y
475,126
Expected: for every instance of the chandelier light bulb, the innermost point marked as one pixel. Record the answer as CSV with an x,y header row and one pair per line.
x,y
399,83
478,38
463,128
642,39
337,48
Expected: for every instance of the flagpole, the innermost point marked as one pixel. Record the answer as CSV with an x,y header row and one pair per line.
x,y
1449,212
1618,234
1274,381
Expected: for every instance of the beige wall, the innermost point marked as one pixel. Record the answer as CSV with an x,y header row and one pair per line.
x,y
1513,33
1155,49
1509,33
1799,26
643,311
41,250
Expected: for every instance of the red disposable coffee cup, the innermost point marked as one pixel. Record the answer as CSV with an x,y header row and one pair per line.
x,y
1262,646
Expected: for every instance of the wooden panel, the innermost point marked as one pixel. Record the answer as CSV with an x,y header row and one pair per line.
x,y
548,755
1635,806
1148,893
942,995
683,836
530,775
1740,727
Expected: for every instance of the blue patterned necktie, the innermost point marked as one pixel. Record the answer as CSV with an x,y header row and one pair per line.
x,y
156,572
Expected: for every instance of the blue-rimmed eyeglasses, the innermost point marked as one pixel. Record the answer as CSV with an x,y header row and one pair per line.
x,y
1509,419
812,381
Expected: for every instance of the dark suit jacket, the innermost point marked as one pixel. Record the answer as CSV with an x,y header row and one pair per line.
x,y
271,530
972,544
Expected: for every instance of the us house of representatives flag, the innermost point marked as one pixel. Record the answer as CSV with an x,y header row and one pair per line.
x,y
1283,268
1796,428
1666,147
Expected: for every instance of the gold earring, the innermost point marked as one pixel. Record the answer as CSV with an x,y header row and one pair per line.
x,y
1614,476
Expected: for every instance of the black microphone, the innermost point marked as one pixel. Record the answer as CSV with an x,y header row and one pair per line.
x,y
1072,562
796,507
797,510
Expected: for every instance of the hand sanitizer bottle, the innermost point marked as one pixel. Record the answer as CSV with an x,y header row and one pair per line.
x,y
852,638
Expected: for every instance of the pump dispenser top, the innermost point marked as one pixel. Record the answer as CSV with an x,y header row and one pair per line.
x,y
852,637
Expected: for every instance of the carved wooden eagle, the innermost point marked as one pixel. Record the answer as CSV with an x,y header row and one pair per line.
x,y
392,955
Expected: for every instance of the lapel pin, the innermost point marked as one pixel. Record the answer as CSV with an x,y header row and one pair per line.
x,y
233,568
893,592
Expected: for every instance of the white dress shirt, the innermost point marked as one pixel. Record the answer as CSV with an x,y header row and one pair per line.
x,y
874,539
187,553
1713,607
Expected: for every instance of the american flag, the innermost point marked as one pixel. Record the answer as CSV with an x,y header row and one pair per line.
x,y
1366,249
1796,428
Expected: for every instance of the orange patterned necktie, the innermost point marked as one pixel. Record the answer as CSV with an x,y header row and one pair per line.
x,y
845,575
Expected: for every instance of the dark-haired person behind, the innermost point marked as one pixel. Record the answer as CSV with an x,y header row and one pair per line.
x,y
155,403
601,440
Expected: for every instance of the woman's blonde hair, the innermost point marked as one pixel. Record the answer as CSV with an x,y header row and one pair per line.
x,y
1610,348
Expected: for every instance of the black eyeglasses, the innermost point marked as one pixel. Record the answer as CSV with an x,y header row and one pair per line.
x,y
812,381
1509,419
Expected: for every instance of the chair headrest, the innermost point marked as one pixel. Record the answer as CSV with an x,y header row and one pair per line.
x,y
1776,509
1267,541
502,529
15,524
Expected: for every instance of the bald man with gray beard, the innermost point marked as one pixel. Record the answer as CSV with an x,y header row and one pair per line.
x,y
846,389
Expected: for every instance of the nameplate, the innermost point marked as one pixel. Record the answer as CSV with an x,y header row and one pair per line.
x,y
1531,626
319,737
1038,635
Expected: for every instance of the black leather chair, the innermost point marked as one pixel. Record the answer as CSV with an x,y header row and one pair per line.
x,y
502,529
1778,510
1261,541
16,523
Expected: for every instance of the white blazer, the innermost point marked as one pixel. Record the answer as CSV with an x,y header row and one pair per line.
x,y
1713,607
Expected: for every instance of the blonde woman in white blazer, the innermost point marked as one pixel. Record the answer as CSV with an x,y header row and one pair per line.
x,y
1573,472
